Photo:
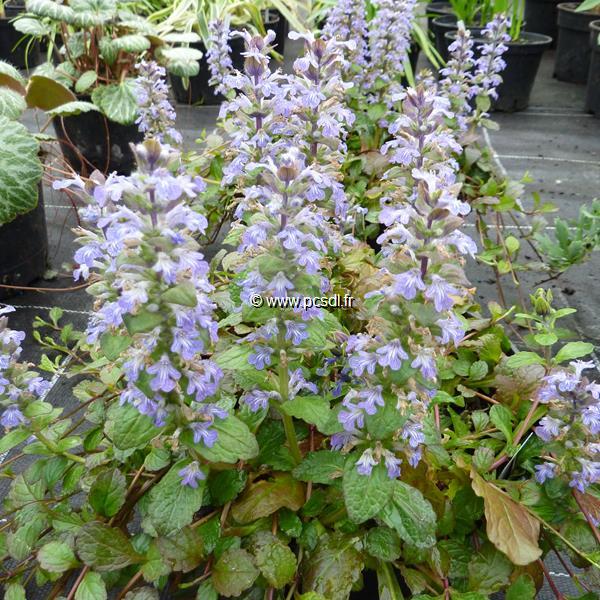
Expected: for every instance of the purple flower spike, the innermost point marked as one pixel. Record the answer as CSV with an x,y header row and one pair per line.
x,y
166,375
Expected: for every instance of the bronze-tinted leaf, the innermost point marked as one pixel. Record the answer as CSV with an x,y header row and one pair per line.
x,y
509,525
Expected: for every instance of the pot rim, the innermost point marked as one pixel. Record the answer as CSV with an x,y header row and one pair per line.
x,y
571,6
595,25
542,39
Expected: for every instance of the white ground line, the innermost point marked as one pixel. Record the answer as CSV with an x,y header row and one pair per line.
x,y
53,383
575,161
558,290
87,313
534,113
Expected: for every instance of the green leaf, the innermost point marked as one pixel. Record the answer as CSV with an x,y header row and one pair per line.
x,y
522,588
171,505
117,101
264,497
157,459
46,93
56,557
478,370
72,108
277,563
366,495
502,418
234,442
234,358
333,568
91,588
225,486
185,550
489,570
312,409
322,466
144,322
86,81
12,104
14,591
206,591
113,345
145,593
383,543
234,572
524,359
411,515
156,565
183,294
107,494
545,339
128,428
13,438
21,170
105,548
573,350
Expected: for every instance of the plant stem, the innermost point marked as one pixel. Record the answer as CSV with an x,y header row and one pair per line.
x,y
555,590
284,392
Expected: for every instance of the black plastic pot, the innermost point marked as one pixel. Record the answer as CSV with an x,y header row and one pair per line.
x,y
437,9
274,20
198,90
522,63
23,248
573,48
541,16
592,95
90,141
440,26
14,52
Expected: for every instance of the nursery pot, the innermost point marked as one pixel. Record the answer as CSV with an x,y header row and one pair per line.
x,y
522,59
90,141
440,26
198,90
14,52
274,20
592,96
572,48
23,248
437,9
541,16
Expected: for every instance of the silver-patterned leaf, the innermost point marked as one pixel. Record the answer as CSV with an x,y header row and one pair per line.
x,y
7,69
21,170
12,104
134,42
50,9
182,62
117,101
31,26
72,108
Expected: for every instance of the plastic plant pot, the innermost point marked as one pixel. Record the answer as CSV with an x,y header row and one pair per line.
x,y
522,59
573,50
592,96
541,16
13,50
437,9
198,90
90,141
440,26
23,249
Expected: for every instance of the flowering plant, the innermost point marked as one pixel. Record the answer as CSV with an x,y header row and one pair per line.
x,y
246,434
